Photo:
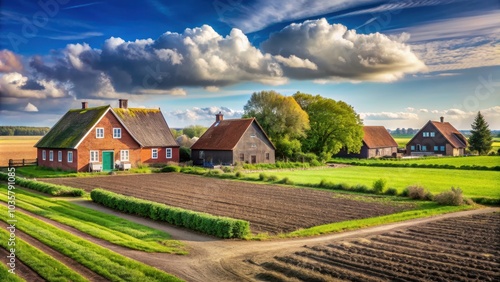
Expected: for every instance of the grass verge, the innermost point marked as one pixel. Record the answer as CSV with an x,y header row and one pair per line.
x,y
42,172
46,266
100,225
6,276
425,209
102,261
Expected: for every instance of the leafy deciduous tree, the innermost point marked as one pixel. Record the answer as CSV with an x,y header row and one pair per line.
x,y
333,125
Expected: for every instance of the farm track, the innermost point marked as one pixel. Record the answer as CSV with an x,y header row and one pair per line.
x,y
304,260
269,208
443,250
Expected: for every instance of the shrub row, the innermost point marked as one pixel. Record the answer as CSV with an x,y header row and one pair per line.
x,y
281,165
222,227
48,188
417,165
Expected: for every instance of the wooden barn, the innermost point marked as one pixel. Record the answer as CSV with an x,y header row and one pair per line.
x,y
377,142
103,138
232,141
437,138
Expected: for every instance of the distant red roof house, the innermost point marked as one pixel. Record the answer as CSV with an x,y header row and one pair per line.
x,y
377,142
231,141
103,138
437,138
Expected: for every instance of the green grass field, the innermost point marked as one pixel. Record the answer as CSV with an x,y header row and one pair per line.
x,y
100,225
489,161
108,264
473,183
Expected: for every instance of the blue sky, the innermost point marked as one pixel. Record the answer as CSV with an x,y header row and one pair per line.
x,y
398,63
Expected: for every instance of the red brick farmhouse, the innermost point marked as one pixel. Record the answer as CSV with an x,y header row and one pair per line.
x,y
103,138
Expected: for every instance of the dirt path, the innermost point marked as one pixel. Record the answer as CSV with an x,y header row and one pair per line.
x,y
212,259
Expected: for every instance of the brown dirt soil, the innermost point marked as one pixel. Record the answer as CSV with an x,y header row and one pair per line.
x,y
21,269
269,208
453,249
213,259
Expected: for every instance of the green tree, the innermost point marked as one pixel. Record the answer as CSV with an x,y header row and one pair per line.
x,y
480,139
333,125
282,119
194,130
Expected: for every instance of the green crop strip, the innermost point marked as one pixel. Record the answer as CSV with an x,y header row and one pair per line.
x,y
100,225
102,261
46,266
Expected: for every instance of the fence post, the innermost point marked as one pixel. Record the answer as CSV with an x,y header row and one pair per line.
x,y
10,162
23,162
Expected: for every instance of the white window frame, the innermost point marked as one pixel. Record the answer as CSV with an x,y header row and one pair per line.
x,y
59,156
51,155
426,134
44,155
117,133
433,134
124,155
99,132
168,153
70,156
94,156
154,153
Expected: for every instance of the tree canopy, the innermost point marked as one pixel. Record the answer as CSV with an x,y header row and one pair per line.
x,y
194,131
480,139
333,125
282,119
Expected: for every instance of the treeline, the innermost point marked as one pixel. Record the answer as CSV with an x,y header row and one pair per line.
x,y
404,131
23,130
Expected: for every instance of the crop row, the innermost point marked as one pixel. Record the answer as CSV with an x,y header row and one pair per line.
x,y
52,189
222,227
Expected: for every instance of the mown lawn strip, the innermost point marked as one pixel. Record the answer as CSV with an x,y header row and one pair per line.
x,y
43,264
102,261
100,225
6,276
425,210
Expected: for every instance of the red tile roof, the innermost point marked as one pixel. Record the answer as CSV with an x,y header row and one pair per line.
x,y
454,137
223,135
378,137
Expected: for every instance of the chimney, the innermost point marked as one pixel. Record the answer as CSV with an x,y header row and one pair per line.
x,y
123,103
442,119
219,117
85,105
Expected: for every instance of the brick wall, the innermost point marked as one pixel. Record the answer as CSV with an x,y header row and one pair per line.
x,y
55,163
108,143
146,155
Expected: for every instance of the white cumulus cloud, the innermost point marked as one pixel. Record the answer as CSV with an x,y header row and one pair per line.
x,y
30,108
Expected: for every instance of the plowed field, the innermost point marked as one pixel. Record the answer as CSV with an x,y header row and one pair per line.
x,y
456,249
269,208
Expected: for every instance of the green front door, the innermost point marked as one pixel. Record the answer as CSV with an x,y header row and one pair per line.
x,y
107,161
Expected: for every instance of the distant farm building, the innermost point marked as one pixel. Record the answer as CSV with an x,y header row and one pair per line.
x,y
377,142
233,141
103,138
437,138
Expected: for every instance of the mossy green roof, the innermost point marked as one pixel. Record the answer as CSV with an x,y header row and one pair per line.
x,y
148,126
71,128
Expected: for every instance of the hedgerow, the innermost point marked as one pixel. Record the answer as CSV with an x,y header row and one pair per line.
x,y
222,227
417,165
48,188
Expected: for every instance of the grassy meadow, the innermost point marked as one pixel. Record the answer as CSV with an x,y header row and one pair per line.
x,y
17,147
488,161
473,183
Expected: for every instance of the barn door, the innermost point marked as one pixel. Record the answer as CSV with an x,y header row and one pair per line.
x,y
254,159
